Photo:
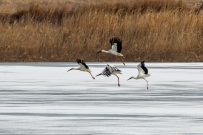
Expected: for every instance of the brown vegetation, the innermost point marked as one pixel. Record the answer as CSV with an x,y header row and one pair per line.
x,y
151,30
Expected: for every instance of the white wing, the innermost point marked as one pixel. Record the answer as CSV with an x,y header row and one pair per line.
x,y
113,68
140,70
82,66
114,47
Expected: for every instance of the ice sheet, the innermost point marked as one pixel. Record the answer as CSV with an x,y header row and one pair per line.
x,y
43,98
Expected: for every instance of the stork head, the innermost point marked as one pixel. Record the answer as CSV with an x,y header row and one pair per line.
x,y
129,78
73,69
132,77
100,51
98,74
70,69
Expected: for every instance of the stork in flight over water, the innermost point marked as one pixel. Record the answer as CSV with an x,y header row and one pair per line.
x,y
109,70
116,45
143,72
83,67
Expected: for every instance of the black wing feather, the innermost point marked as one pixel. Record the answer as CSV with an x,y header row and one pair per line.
x,y
116,69
106,72
82,62
79,61
144,68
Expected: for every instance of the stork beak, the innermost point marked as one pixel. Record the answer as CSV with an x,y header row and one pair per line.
x,y
69,69
99,52
129,78
98,75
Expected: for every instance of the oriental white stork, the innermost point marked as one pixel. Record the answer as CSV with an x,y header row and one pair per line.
x,y
116,45
143,72
109,70
83,67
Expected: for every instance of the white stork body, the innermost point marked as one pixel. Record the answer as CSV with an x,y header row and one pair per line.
x,y
83,67
111,51
116,47
143,72
109,70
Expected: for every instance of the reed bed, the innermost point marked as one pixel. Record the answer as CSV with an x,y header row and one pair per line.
x,y
151,30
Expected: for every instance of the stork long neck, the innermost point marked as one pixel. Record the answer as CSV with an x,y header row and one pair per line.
x,y
105,51
75,69
134,77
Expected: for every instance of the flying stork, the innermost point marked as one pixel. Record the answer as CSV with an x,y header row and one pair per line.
x,y
83,67
109,70
116,45
143,72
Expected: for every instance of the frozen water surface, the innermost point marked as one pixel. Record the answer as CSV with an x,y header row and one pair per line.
x,y
43,98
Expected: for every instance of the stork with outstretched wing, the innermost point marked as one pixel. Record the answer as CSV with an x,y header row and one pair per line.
x,y
116,47
109,70
143,72
83,67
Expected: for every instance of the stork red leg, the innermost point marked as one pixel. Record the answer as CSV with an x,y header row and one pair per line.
x,y
121,59
91,75
146,81
118,80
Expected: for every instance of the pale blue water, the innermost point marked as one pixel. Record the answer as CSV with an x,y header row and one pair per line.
x,y
43,98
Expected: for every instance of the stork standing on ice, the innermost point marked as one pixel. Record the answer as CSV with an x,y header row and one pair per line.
x,y
83,67
116,44
143,72
110,69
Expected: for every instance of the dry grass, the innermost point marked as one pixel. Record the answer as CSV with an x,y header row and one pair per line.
x,y
151,30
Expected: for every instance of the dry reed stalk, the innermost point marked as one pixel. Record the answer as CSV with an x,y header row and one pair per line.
x,y
151,30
